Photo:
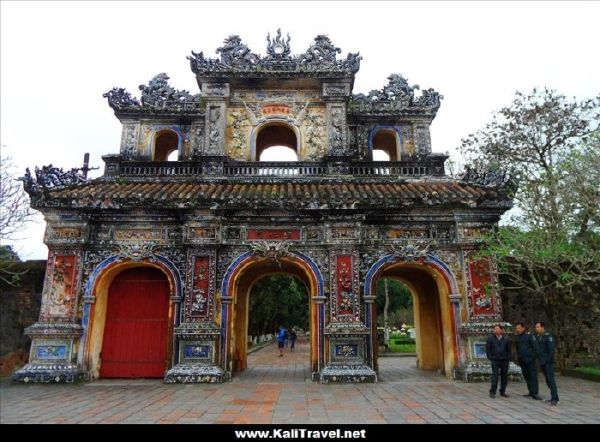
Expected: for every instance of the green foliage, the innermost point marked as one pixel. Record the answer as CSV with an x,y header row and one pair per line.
x,y
400,310
400,296
550,146
591,369
277,300
405,347
9,275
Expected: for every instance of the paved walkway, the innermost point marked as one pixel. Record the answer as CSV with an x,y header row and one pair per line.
x,y
279,390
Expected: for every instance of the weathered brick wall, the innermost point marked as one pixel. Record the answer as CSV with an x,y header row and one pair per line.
x,y
19,308
577,330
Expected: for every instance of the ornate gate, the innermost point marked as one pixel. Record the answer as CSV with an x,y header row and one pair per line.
x,y
219,216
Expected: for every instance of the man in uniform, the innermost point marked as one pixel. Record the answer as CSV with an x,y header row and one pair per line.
x,y
526,358
497,350
545,345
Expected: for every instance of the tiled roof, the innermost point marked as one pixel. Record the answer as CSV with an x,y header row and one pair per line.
x,y
302,195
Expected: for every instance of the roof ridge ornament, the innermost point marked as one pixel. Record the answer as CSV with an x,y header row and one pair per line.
x,y
157,96
237,59
277,47
394,96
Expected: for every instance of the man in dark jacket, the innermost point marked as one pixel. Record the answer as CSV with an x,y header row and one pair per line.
x,y
526,358
497,350
545,346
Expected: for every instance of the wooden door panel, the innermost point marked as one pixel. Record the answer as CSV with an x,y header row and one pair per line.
x,y
136,328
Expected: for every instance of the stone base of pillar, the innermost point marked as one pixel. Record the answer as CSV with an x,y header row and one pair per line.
x,y
49,374
347,374
482,372
194,374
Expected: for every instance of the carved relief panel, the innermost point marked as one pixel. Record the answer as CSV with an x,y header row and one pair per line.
x,y
422,140
215,129
344,286
336,129
129,140
200,287
342,234
61,286
408,141
197,138
66,234
483,297
474,233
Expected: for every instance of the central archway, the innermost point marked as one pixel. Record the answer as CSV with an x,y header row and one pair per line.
x,y
243,273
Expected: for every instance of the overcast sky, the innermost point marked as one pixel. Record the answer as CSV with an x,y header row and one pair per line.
x,y
58,58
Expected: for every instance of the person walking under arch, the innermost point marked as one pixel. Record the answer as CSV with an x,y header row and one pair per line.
x,y
281,339
293,337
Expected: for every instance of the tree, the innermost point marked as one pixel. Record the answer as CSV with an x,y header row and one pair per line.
x,y
277,300
15,213
550,148
14,202
399,303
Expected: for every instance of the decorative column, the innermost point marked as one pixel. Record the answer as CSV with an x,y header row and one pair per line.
x,y
320,306
336,96
216,95
484,311
346,335
197,337
53,354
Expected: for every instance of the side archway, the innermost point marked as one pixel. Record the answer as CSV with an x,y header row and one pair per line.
x,y
386,141
434,290
96,295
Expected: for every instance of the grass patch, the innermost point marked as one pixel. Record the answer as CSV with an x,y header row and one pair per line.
x,y
591,369
404,347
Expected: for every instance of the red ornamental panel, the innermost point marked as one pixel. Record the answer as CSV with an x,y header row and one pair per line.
x,y
136,329
61,293
276,109
199,299
274,234
345,294
482,287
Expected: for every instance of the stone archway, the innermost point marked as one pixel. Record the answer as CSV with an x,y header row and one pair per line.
x,y
96,303
432,286
237,284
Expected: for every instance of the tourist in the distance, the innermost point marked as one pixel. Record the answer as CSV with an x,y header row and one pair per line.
x,y
281,339
497,350
293,337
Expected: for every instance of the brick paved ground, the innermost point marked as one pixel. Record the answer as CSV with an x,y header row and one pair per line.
x,y
279,390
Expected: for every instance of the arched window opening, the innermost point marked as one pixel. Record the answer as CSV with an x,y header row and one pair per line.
x,y
386,140
279,140
166,146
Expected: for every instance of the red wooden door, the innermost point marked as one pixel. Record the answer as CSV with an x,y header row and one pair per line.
x,y
136,329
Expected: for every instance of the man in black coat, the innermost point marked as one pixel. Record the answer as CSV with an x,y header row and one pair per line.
x,y
545,347
497,350
526,358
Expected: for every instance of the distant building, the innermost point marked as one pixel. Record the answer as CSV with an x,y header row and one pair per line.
x,y
150,265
